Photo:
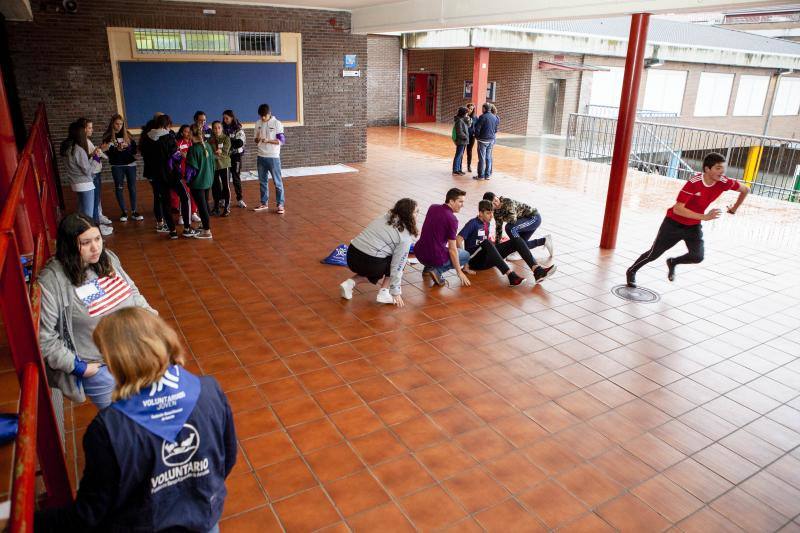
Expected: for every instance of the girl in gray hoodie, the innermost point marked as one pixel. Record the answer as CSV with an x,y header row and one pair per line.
x,y
78,169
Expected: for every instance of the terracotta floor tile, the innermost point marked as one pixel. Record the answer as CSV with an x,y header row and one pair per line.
x,y
623,467
520,430
552,417
681,437
554,505
374,388
464,387
667,498
290,345
269,371
338,399
484,443
751,447
314,435
244,493
356,370
384,518
418,432
582,405
255,521
788,469
356,422
774,492
456,420
432,508
252,423
697,479
282,389
378,447
356,493
515,472
522,395
774,433
395,409
409,379
306,511
286,478
726,463
589,523
616,427
319,380
334,462
431,398
403,475
552,456
654,451
445,460
584,440
643,414
629,513
475,490
707,519
609,393
590,484
747,512
490,406
508,516
268,449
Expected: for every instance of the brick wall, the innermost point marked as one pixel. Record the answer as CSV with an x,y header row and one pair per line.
x,y
383,80
431,62
64,61
567,102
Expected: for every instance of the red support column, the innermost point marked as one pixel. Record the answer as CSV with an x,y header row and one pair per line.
x,y
480,77
626,122
9,156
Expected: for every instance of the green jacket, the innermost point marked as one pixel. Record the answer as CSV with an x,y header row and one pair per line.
x,y
201,158
224,142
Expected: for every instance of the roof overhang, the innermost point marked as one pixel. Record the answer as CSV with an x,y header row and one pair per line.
x,y
563,65
16,10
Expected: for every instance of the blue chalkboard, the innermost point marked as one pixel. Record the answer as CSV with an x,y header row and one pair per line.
x,y
180,89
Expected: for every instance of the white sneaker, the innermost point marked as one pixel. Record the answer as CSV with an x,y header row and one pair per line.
x,y
195,217
180,221
384,297
241,204
261,207
106,230
548,244
514,257
346,289
104,219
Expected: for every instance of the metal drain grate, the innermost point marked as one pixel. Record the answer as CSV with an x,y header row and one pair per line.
x,y
639,294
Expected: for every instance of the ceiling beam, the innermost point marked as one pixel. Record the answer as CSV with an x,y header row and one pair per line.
x,y
16,10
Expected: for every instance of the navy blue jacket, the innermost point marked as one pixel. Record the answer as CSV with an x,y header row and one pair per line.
x,y
136,481
486,127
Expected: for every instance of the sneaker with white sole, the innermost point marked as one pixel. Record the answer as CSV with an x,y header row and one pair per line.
x,y
162,228
241,204
190,232
179,222
136,216
104,219
548,244
123,217
261,207
346,288
203,234
384,297
541,273
281,210
106,230
195,217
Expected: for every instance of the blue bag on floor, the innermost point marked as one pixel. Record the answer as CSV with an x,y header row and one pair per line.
x,y
9,425
337,257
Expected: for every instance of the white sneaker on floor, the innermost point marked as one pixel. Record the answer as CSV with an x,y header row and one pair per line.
x,y
241,204
384,297
548,244
514,257
106,230
180,221
346,289
195,217
104,219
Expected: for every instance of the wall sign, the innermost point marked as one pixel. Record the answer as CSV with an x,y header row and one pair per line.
x,y
350,61
467,88
491,90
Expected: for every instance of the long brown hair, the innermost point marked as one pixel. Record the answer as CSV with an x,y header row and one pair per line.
x,y
110,134
68,251
403,216
138,348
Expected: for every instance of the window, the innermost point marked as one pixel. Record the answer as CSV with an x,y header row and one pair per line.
x,y
750,96
154,41
787,99
606,87
664,91
713,94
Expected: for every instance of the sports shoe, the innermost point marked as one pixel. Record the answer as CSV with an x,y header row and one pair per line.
x,y
281,210
261,207
346,289
514,279
214,212
226,213
195,217
104,219
190,232
548,244
173,235
435,276
477,177
241,204
162,228
384,297
514,257
670,270
630,278
180,221
541,273
136,216
203,234
123,217
106,230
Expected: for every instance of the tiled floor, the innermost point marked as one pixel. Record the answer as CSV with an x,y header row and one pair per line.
x,y
490,408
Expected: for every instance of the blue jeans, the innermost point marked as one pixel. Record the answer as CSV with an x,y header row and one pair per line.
x,y
98,182
485,159
457,160
98,388
463,258
120,174
525,227
266,166
86,204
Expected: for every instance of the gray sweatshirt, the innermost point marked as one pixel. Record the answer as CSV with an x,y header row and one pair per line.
x,y
379,239
77,167
65,328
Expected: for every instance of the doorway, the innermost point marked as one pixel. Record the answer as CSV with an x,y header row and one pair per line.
x,y
421,102
553,107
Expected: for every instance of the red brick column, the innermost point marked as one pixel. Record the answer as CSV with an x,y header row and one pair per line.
x,y
480,77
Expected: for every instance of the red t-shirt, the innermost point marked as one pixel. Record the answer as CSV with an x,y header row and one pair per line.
x,y
697,196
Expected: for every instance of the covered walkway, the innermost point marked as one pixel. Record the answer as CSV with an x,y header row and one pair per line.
x,y
558,406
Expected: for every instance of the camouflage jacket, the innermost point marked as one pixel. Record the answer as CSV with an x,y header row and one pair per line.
x,y
508,212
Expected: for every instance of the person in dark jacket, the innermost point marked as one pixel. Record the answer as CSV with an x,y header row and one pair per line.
x,y
472,119
122,158
148,150
166,173
460,138
233,129
157,458
485,133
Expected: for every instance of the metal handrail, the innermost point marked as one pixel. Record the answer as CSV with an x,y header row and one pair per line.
x,y
23,488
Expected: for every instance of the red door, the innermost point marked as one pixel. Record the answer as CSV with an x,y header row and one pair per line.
x,y
421,98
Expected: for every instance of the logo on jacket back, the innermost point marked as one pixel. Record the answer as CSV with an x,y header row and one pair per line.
x,y
183,449
177,458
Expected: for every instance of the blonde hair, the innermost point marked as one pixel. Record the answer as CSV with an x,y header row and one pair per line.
x,y
138,348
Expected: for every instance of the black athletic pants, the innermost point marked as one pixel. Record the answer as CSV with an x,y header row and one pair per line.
x,y
669,234
166,205
469,150
221,189
491,255
236,175
201,200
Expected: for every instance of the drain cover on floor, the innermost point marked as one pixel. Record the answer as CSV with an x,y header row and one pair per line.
x,y
639,294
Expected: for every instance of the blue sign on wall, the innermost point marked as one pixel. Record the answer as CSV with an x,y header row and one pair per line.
x,y
350,61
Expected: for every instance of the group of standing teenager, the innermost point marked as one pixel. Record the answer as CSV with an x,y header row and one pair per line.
x,y
469,130
182,168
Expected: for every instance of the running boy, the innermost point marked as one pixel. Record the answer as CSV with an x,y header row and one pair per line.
x,y
683,220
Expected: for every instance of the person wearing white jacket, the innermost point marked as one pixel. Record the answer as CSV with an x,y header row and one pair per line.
x,y
379,253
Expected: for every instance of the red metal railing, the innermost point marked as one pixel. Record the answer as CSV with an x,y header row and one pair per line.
x,y
32,188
